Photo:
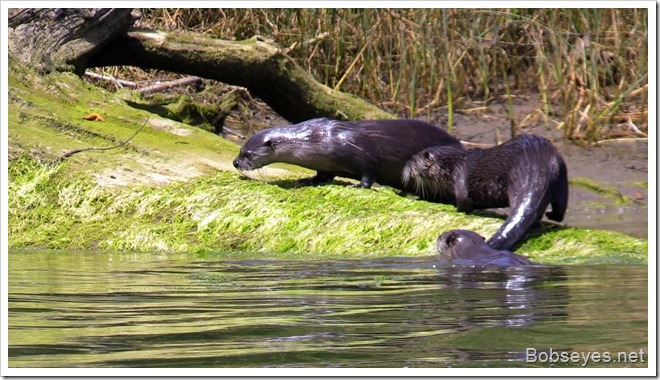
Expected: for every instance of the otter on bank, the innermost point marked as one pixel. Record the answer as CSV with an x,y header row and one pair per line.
x,y
367,150
467,247
526,173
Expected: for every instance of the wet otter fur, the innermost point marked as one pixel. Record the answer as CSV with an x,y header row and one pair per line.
x,y
526,173
367,150
469,248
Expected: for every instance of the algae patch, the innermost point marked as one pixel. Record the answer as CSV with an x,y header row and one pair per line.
x,y
226,212
601,189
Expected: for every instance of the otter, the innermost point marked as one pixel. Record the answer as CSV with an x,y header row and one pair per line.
x,y
366,150
526,173
469,248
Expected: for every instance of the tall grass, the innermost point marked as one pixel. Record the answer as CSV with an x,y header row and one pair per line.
x,y
589,66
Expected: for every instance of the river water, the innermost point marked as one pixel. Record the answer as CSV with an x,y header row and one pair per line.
x,y
174,310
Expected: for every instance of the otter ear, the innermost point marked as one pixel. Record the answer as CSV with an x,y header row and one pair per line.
x,y
427,155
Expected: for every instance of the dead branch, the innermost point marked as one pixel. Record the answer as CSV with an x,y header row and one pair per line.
x,y
169,84
71,153
119,82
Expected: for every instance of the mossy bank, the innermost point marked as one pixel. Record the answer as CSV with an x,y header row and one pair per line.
x,y
172,189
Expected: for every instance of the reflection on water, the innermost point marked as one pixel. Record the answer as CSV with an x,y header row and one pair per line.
x,y
152,310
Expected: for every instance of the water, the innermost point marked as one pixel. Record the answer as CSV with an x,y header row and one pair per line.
x,y
158,310
629,219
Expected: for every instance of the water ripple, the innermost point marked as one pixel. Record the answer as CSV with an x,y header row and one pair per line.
x,y
181,311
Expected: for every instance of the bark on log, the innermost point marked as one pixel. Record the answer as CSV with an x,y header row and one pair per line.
x,y
51,39
255,64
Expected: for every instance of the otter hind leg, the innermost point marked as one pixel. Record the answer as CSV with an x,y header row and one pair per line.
x,y
558,204
559,194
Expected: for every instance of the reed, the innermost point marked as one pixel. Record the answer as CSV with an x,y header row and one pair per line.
x,y
588,66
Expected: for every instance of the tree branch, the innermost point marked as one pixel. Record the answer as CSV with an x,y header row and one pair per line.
x,y
71,153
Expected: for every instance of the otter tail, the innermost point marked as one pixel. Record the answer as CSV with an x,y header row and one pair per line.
x,y
538,179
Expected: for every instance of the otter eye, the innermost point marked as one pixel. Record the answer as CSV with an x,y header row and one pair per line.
x,y
268,143
427,155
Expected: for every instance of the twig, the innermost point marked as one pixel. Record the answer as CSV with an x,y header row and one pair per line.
x,y
622,140
71,153
635,92
311,41
169,84
118,82
633,128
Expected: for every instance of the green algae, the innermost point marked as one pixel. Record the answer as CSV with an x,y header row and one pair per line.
x,y
601,189
172,189
226,212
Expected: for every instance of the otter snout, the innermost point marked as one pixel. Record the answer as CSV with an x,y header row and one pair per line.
x,y
241,163
443,242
